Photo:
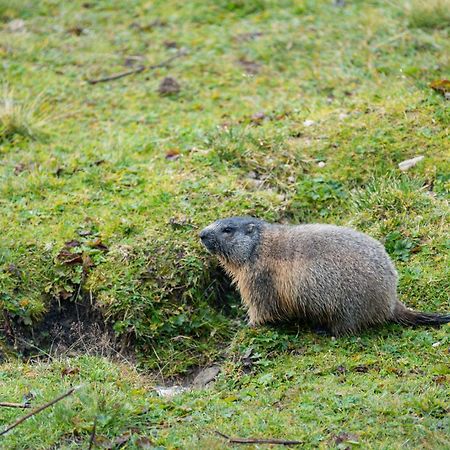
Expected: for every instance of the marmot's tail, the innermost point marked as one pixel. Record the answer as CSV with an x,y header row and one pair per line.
x,y
406,316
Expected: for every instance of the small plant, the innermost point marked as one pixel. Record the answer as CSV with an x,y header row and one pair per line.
x,y
398,246
429,14
19,119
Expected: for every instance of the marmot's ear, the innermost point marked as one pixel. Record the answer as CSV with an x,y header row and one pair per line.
x,y
250,228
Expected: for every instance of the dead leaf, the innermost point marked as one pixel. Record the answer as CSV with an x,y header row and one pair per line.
x,y
180,221
170,44
346,437
76,30
251,67
172,154
131,61
87,262
441,379
64,295
98,244
441,86
66,371
104,442
169,86
72,244
84,233
258,117
144,442
20,168
69,258
13,270
245,37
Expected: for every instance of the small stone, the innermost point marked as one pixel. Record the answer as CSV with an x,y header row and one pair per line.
x,y
436,344
320,164
170,391
308,123
205,377
407,164
343,116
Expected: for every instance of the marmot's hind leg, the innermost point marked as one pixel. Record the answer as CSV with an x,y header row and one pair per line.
x,y
340,329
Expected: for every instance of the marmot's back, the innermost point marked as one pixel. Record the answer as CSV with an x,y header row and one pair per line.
x,y
329,275
336,275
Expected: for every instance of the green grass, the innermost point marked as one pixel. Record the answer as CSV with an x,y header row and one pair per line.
x,y
98,167
386,389
430,14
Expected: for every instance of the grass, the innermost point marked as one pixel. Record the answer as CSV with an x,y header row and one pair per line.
x,y
290,111
385,389
430,14
19,119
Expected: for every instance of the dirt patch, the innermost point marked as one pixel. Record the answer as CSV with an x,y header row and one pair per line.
x,y
68,328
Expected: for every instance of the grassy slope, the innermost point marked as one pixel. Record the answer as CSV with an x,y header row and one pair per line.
x,y
361,73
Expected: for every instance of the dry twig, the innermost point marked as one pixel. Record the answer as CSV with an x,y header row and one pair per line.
x,y
258,441
15,405
37,410
138,69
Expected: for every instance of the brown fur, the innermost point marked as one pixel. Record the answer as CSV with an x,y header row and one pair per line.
x,y
329,276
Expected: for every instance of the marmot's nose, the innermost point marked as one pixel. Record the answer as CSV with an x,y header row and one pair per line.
x,y
203,234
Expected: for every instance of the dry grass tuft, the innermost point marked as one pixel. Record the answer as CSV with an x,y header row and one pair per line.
x,y
20,118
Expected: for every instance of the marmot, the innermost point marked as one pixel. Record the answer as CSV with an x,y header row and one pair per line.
x,y
329,276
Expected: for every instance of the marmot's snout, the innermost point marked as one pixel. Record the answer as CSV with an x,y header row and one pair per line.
x,y
208,239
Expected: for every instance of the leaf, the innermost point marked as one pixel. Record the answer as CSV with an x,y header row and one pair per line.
x,y
169,86
346,437
72,244
98,244
173,154
144,442
441,86
69,258
250,67
66,371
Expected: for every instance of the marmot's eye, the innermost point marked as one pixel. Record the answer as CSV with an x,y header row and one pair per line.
x,y
227,230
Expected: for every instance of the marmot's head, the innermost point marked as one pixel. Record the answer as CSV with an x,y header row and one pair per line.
x,y
234,239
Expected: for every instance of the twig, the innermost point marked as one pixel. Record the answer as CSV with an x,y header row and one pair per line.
x,y
92,438
38,410
138,69
15,405
258,441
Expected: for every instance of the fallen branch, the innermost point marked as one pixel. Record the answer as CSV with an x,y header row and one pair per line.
x,y
258,441
15,405
138,69
38,410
